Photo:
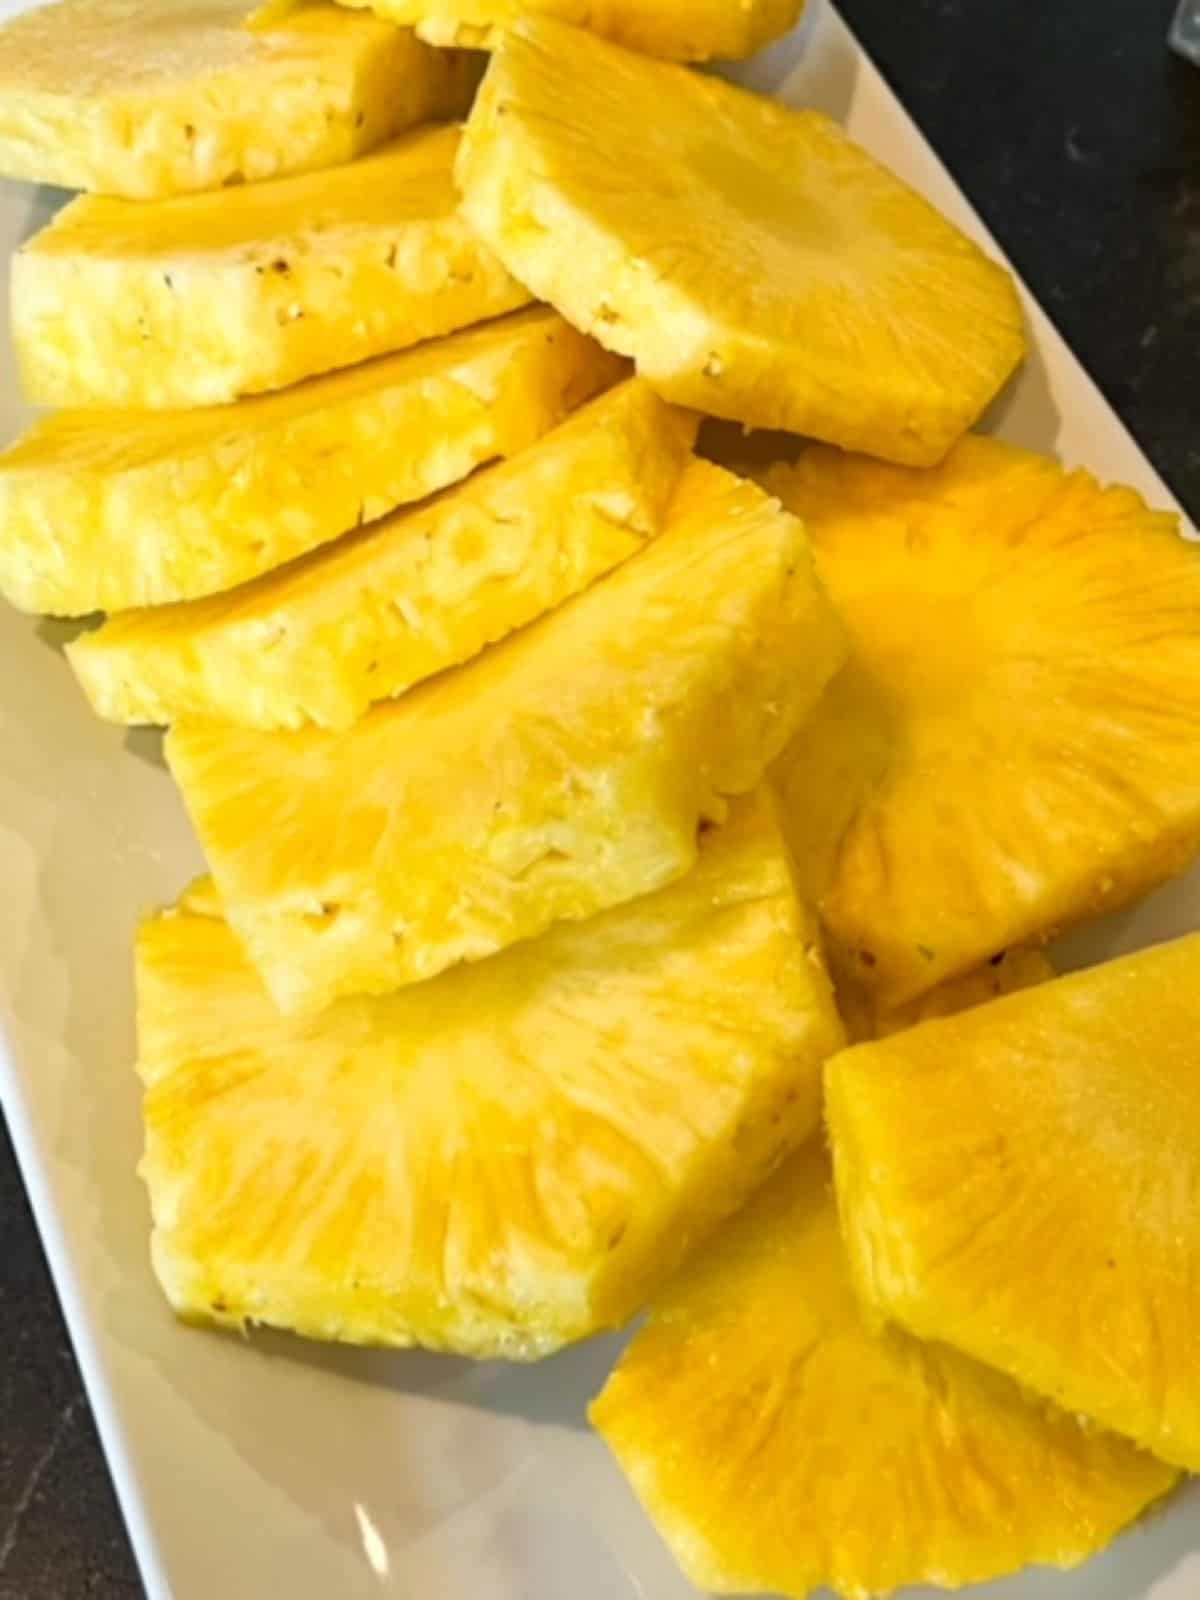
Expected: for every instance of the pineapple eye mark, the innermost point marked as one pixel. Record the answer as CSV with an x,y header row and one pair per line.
x,y
924,951
868,958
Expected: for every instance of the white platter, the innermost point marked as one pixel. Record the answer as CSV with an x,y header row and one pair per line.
x,y
269,1468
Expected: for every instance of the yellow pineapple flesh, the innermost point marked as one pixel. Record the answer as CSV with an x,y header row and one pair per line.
x,y
502,1160
1020,1181
565,770
197,300
108,510
376,612
681,30
1007,973
145,98
754,262
781,1444
1015,745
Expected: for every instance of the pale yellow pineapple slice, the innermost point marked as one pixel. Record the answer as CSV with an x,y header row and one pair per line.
x,y
425,589
781,1444
1016,743
146,98
502,1160
106,510
1020,1182
1007,973
565,770
754,262
682,30
197,300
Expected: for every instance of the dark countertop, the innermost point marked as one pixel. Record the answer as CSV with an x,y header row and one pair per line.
x,y
1078,138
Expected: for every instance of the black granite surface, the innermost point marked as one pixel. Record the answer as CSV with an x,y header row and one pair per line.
x,y
1078,138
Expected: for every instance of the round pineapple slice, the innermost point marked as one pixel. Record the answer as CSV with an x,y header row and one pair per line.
x,y
145,98
1020,1181
754,262
1016,744
682,30
110,510
469,567
567,769
781,1444
502,1160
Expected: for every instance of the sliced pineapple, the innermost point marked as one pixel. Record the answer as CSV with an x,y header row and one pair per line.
x,y
502,1160
146,98
106,510
565,770
682,30
199,299
1007,973
1016,744
371,615
754,262
780,1444
1020,1182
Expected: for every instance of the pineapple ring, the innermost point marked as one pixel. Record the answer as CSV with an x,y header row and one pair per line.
x,y
1020,1182
681,30
754,262
147,98
1016,743
781,1444
502,1160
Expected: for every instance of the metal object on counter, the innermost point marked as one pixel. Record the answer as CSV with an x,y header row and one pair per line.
x,y
1185,30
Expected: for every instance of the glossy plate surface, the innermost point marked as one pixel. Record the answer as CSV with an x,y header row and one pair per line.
x,y
269,1468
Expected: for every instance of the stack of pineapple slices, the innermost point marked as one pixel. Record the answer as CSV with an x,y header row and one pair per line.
x,y
536,761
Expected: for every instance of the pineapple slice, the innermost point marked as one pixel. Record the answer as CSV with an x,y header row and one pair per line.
x,y
780,1444
682,30
105,510
1015,745
565,770
200,299
502,1160
1007,973
754,262
146,98
425,589
1020,1182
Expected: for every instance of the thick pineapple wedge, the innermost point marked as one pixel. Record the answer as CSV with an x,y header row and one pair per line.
x,y
1007,973
107,510
1016,744
682,30
779,1443
146,98
568,769
368,617
500,1161
200,299
754,262
1020,1182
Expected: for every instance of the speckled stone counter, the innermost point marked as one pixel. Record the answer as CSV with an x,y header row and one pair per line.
x,y
1078,138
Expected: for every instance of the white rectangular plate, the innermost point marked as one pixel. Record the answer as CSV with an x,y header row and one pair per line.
x,y
271,1468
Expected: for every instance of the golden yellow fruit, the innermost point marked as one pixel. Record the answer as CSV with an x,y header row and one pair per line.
x,y
146,98
563,771
755,263
781,1444
1007,973
499,1161
427,588
197,300
1016,743
1020,1182
107,510
682,30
